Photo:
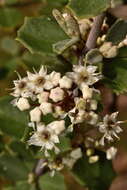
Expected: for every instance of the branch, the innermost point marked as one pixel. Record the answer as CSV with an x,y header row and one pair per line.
x,y
93,35
95,32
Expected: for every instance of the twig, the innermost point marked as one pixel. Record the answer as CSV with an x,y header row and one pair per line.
x,y
93,35
95,32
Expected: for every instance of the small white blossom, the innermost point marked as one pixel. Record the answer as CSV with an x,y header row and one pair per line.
x,y
56,94
52,80
43,97
76,116
23,104
46,108
37,80
45,137
57,126
84,74
111,153
109,127
65,82
35,115
86,91
21,88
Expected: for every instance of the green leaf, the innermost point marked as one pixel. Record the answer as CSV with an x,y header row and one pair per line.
x,y
12,121
13,168
117,77
117,32
52,183
39,34
61,46
21,150
88,8
94,175
21,185
52,62
10,17
64,144
49,5
9,45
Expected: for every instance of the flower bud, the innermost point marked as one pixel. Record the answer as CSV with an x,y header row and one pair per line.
x,y
86,91
57,126
57,94
65,82
35,115
43,97
23,104
93,159
46,108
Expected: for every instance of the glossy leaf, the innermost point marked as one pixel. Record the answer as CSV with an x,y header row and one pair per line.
x,y
52,183
94,175
117,32
88,8
116,79
39,34
12,121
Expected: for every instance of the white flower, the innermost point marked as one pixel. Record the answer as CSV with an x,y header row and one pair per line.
x,y
45,137
23,104
65,82
110,127
84,74
37,80
35,115
57,126
86,91
21,88
46,108
52,80
56,94
76,116
111,153
43,97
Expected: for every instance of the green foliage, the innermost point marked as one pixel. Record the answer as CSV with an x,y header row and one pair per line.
x,y
116,79
93,175
10,17
49,5
9,45
39,34
52,183
117,32
13,121
13,168
21,185
88,8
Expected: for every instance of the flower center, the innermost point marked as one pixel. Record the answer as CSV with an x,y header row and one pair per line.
x,y
40,81
22,85
45,135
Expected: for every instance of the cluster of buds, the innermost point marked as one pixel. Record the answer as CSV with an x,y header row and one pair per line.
x,y
71,96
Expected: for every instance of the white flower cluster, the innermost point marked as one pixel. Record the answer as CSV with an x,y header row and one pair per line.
x,y
72,96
